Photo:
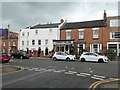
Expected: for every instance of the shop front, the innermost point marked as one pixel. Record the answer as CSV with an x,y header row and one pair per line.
x,y
64,46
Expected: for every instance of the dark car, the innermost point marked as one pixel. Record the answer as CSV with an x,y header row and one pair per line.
x,y
19,55
4,57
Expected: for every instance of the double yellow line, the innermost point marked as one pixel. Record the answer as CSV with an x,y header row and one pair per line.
x,y
95,84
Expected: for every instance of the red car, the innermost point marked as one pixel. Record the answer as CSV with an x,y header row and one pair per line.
x,y
4,57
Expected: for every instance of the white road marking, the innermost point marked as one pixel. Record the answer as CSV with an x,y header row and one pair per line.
x,y
72,72
81,75
56,71
86,74
68,73
97,78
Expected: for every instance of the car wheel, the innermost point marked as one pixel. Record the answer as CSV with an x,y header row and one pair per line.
x,y
54,58
21,57
68,59
12,57
7,61
100,61
82,60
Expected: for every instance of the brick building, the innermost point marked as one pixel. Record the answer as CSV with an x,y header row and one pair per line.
x,y
13,41
78,36
113,33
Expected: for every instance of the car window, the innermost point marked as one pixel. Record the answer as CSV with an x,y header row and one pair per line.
x,y
58,53
93,54
63,54
86,54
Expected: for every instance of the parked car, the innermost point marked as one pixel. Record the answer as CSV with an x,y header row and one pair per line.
x,y
63,56
4,57
19,55
89,56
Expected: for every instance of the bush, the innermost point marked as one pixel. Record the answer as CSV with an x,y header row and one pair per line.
x,y
111,54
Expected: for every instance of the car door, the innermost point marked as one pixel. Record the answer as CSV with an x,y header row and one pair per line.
x,y
63,56
93,57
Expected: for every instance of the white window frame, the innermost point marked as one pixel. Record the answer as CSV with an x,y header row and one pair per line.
x,y
114,23
38,42
95,35
33,43
23,43
4,43
27,42
46,41
36,32
68,31
81,36
112,35
14,43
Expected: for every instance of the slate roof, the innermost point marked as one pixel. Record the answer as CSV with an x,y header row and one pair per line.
x,y
52,25
85,24
3,32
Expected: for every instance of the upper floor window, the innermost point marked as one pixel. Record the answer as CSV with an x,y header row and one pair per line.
x,y
95,32
46,41
4,43
68,34
114,23
81,34
27,42
50,30
33,42
27,33
23,34
39,42
22,43
36,31
14,44
114,35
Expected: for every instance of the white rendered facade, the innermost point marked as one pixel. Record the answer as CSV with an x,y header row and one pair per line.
x,y
39,37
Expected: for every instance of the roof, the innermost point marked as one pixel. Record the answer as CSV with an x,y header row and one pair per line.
x,y
85,24
51,25
3,32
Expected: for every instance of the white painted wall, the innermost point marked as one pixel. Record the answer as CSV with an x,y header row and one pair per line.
x,y
42,35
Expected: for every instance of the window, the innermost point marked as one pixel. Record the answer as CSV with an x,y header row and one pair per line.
x,y
4,43
36,31
67,34
114,23
22,43
95,33
114,35
81,34
39,42
27,42
46,41
33,42
50,30
14,44
27,33
23,34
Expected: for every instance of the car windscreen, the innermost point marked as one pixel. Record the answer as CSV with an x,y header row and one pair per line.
x,y
4,54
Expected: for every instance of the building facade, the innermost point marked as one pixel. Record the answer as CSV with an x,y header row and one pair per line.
x,y
113,33
11,44
39,37
76,37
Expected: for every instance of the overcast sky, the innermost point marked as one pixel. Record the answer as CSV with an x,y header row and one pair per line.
x,y
22,14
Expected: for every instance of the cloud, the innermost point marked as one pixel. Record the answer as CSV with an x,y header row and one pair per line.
x,y
21,14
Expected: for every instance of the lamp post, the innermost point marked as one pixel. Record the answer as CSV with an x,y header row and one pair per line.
x,y
8,38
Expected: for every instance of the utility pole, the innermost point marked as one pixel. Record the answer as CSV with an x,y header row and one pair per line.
x,y
8,39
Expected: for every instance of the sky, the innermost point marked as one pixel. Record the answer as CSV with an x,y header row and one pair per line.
x,y
25,13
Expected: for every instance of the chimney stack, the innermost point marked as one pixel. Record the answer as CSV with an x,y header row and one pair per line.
x,y
62,21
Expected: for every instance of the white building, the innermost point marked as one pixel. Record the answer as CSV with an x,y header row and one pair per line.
x,y
41,35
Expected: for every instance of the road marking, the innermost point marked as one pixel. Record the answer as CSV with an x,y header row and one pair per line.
x,y
81,75
56,71
72,72
95,84
97,78
68,73
86,74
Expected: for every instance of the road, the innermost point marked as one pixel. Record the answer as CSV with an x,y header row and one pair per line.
x,y
58,74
